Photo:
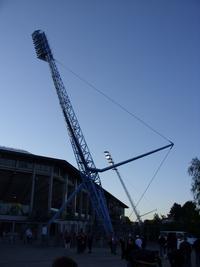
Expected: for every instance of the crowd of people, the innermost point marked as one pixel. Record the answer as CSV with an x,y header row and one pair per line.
x,y
133,249
175,249
178,250
84,241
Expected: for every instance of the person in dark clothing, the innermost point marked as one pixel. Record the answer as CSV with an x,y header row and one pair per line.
x,y
64,262
123,247
81,242
67,239
176,258
186,250
113,245
131,254
162,245
144,241
171,242
130,246
89,242
78,243
196,247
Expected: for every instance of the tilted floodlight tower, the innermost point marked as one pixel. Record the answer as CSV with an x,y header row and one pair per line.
x,y
111,162
89,173
90,180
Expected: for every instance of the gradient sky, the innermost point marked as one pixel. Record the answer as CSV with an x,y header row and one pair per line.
x,y
143,54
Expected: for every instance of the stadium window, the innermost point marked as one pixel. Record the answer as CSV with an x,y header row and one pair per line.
x,y
25,164
7,162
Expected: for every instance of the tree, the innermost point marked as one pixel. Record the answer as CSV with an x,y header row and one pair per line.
x,y
176,212
156,218
189,212
125,219
194,171
185,218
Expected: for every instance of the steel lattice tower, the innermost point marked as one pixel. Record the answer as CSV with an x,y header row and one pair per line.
x,y
90,179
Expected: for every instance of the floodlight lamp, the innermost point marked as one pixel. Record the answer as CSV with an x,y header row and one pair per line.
x,y
107,154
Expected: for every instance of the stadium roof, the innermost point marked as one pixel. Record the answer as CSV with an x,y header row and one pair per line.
x,y
25,155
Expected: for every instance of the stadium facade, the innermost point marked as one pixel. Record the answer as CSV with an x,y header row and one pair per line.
x,y
33,188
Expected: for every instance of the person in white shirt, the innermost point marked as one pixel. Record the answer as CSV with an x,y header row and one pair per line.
x,y
44,235
138,241
29,235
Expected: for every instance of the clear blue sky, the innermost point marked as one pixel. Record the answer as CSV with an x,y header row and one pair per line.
x,y
143,54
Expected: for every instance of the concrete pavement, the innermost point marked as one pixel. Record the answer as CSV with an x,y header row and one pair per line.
x,y
32,256
20,255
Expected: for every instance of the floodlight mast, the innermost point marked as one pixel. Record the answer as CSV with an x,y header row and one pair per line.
x,y
91,180
111,162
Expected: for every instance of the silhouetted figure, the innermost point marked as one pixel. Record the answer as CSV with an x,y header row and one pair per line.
x,y
185,249
144,241
138,242
171,242
131,251
162,245
196,246
81,242
44,235
64,262
113,245
176,258
29,235
89,242
67,239
123,247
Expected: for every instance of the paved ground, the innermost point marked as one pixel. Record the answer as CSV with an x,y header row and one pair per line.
x,y
20,255
32,256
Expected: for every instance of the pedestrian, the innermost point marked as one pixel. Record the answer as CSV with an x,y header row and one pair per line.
x,y
4,236
64,262
171,242
28,235
81,242
113,245
67,239
176,258
44,235
123,248
144,241
89,242
129,245
131,250
186,250
138,242
162,245
196,247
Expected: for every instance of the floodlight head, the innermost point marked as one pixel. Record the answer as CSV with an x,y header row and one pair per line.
x,y
108,157
42,48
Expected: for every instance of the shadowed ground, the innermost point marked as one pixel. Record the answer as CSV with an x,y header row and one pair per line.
x,y
19,255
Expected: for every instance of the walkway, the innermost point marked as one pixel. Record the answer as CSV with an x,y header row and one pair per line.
x,y
20,255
